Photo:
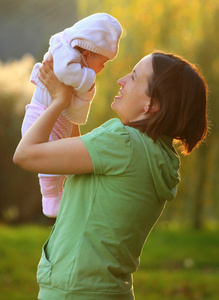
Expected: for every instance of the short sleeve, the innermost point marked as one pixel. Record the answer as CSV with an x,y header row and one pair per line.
x,y
110,148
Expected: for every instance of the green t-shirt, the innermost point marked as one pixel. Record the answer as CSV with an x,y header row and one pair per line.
x,y
105,217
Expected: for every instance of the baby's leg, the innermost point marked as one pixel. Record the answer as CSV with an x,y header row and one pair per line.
x,y
32,114
52,186
49,187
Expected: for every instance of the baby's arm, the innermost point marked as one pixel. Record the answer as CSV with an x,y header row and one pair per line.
x,y
68,69
78,109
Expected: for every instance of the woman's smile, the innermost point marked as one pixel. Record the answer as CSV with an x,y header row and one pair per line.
x,y
119,95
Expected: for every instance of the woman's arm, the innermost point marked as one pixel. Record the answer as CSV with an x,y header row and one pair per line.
x,y
65,156
75,130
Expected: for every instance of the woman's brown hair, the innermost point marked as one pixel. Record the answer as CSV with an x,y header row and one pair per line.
x,y
180,92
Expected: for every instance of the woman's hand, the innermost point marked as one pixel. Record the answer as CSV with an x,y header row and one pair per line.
x,y
57,90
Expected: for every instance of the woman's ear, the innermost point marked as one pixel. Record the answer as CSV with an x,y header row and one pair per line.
x,y
153,109
86,54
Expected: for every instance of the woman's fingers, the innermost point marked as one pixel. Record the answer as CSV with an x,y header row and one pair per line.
x,y
50,59
46,74
42,72
47,68
48,65
42,75
51,82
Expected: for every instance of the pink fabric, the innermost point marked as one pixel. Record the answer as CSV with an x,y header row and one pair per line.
x,y
51,190
62,128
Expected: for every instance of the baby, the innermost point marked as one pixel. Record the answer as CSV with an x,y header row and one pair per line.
x,y
79,53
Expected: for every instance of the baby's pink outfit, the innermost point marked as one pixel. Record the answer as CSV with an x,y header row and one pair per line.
x,y
98,33
51,185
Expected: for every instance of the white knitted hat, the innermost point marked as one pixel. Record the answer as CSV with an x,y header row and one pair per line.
x,y
98,33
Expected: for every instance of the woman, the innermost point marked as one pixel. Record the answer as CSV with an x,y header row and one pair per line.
x,y
125,172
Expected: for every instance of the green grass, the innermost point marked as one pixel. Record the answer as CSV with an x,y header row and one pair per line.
x,y
20,251
175,264
179,264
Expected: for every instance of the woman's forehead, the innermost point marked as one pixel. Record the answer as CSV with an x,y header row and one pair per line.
x,y
144,67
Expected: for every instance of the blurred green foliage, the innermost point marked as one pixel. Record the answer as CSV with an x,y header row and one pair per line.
x,y
187,28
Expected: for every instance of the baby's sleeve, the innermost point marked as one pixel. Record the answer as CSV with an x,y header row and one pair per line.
x,y
68,69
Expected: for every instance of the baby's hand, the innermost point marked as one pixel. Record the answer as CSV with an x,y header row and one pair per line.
x,y
57,89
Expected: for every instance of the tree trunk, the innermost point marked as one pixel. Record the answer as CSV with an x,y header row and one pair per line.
x,y
199,201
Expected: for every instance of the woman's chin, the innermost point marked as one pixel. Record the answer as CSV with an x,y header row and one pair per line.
x,y
114,107
117,99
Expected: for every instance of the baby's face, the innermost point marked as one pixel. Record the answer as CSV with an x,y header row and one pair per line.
x,y
96,62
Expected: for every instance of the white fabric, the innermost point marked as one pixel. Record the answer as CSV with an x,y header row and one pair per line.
x,y
67,65
99,33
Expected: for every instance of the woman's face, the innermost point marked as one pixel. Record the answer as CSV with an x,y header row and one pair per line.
x,y
132,102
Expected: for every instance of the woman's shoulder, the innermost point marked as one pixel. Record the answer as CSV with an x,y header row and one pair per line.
x,y
112,131
112,126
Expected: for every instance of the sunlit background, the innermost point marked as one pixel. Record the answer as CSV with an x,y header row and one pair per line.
x,y
189,28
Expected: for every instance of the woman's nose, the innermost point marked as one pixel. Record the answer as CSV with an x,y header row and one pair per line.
x,y
121,81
